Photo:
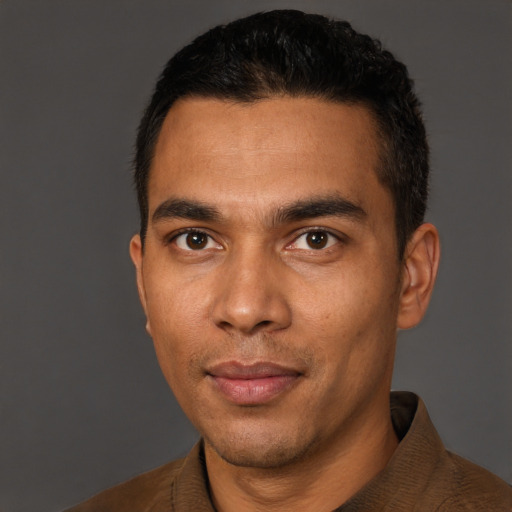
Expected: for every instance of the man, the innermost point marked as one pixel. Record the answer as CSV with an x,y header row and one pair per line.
x,y
282,171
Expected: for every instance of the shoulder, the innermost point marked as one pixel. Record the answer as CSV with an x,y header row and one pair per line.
x,y
464,486
431,478
150,491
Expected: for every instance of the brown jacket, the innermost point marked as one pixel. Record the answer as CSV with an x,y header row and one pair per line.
x,y
420,477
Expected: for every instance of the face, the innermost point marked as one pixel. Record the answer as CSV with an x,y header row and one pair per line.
x,y
270,276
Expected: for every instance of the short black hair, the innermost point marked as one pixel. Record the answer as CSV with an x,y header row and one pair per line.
x,y
288,52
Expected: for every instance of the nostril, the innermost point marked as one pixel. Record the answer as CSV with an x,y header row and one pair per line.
x,y
260,325
263,323
224,325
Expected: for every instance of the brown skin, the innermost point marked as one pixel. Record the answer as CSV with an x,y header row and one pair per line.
x,y
257,290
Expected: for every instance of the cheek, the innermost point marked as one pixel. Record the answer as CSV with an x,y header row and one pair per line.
x,y
350,314
175,306
177,316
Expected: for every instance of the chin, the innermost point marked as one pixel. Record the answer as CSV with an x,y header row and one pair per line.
x,y
248,450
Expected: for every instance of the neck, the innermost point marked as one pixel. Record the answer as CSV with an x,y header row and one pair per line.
x,y
321,482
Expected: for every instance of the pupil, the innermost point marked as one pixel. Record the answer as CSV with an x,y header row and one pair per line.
x,y
196,240
317,240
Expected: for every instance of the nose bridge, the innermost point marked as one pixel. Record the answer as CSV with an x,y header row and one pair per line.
x,y
249,296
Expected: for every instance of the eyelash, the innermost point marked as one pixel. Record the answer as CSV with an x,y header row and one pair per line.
x,y
187,231
309,230
313,230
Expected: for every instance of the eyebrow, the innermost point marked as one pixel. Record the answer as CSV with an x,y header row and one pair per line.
x,y
325,206
185,209
303,209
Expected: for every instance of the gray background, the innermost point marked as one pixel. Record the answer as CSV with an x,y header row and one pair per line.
x,y
83,405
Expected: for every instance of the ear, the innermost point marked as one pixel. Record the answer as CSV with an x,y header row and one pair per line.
x,y
136,253
421,261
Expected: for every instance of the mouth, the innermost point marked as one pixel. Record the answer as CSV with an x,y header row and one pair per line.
x,y
252,384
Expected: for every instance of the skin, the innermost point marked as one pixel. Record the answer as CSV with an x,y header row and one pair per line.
x,y
250,289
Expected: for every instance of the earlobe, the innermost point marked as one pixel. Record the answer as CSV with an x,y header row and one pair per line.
x,y
421,261
136,255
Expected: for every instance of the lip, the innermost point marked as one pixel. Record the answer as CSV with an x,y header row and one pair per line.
x,y
252,384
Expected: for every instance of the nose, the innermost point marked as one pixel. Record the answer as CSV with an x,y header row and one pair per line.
x,y
251,295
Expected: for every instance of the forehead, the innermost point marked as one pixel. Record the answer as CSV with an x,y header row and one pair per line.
x,y
270,151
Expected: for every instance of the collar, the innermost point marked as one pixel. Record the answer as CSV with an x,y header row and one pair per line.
x,y
411,466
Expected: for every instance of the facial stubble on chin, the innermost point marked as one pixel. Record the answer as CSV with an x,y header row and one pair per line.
x,y
275,456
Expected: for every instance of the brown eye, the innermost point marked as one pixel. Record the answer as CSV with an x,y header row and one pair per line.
x,y
317,239
197,240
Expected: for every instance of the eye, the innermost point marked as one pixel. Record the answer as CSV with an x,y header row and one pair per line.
x,y
315,240
195,241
